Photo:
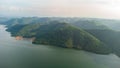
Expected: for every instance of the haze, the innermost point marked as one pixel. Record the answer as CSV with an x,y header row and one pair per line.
x,y
61,8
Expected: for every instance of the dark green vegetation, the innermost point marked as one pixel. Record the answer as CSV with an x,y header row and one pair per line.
x,y
89,24
109,37
93,35
60,34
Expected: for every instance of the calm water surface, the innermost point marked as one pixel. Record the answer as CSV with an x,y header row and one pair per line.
x,y
24,54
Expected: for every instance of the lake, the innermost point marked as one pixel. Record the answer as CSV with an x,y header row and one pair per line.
x,y
23,54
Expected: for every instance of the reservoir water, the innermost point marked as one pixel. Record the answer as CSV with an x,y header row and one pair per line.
x,y
23,54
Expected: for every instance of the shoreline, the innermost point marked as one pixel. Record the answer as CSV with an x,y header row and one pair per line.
x,y
23,38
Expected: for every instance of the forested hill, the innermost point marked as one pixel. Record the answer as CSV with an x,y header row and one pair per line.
x,y
60,34
94,35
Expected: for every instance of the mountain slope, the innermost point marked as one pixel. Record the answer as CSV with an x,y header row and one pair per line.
x,y
89,24
66,35
63,35
109,37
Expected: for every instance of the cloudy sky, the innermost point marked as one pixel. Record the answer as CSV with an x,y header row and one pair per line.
x,y
62,8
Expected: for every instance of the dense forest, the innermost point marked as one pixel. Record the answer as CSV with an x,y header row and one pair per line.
x,y
89,34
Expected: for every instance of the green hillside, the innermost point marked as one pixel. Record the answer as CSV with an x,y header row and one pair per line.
x,y
89,24
62,35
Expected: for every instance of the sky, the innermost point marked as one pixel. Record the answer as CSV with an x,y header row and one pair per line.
x,y
61,8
